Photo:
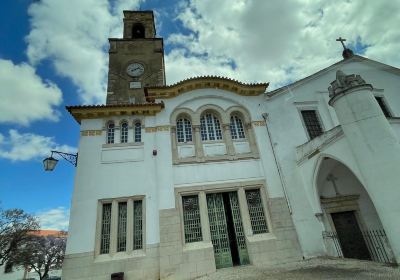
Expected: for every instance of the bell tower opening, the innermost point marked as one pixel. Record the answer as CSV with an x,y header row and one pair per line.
x,y
138,31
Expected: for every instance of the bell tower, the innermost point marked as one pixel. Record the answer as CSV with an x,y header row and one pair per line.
x,y
136,60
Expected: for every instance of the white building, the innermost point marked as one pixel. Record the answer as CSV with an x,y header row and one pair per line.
x,y
174,182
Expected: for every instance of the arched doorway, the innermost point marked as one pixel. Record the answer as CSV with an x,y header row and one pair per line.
x,y
352,226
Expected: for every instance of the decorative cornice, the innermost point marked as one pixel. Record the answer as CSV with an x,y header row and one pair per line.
x,y
345,84
99,111
181,87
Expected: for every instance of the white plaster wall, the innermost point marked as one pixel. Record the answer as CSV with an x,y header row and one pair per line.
x,y
122,170
288,132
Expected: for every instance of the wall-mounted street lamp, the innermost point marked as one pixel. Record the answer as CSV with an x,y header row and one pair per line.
x,y
50,162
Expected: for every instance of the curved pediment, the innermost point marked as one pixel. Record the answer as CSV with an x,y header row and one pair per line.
x,y
202,82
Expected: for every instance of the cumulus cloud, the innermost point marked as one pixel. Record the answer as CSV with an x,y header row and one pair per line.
x,y
73,36
57,218
25,96
278,41
26,146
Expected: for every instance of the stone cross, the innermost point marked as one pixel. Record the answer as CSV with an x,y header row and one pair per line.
x,y
333,179
341,40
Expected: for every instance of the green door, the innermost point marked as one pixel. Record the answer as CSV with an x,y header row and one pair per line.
x,y
222,234
219,230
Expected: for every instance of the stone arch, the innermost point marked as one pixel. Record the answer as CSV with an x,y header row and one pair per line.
x,y
346,210
181,112
242,112
212,108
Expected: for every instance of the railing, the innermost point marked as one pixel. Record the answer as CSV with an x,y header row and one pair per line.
x,y
376,241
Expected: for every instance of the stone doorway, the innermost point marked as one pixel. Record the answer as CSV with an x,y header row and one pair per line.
x,y
226,229
350,237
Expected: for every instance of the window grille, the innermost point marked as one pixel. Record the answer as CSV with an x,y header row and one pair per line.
x,y
256,211
138,132
236,126
137,224
210,127
105,229
383,106
121,239
124,132
191,218
110,133
312,123
184,130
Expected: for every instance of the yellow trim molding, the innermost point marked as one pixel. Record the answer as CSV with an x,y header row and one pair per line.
x,y
237,87
100,111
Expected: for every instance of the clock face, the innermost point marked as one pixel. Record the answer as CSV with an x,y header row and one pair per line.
x,y
135,69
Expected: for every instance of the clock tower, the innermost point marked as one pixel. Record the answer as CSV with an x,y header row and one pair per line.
x,y
136,60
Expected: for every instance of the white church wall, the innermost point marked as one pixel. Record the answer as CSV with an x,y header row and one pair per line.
x,y
288,132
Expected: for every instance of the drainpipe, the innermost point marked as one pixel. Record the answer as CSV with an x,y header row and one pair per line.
x,y
281,177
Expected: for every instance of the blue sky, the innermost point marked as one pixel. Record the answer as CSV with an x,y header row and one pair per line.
x,y
54,53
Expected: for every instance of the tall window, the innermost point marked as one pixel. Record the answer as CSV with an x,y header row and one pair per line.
x,y
122,216
312,123
126,212
184,130
105,229
383,106
110,132
137,225
236,126
210,127
256,211
191,218
124,132
138,132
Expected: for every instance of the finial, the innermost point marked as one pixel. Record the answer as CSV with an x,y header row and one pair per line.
x,y
347,53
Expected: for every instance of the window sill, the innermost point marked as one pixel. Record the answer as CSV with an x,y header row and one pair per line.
x,y
118,145
120,256
261,237
194,160
200,245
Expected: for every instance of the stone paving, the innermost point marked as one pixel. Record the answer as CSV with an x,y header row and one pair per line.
x,y
319,268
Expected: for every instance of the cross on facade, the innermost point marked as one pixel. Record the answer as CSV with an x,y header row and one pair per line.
x,y
333,179
341,40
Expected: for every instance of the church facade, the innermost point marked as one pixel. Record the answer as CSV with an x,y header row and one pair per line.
x,y
174,182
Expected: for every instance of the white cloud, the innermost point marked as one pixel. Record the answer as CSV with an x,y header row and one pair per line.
x,y
278,41
73,36
26,146
57,218
25,97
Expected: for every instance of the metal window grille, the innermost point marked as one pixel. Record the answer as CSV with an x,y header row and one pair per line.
x,y
105,229
122,218
110,133
137,224
383,106
236,126
256,211
312,123
124,132
138,132
184,130
191,218
210,127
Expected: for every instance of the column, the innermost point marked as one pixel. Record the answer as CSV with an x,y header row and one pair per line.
x,y
244,210
197,142
205,223
374,145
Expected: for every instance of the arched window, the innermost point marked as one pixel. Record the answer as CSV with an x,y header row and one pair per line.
x,y
138,132
210,127
183,130
124,132
138,31
110,132
236,126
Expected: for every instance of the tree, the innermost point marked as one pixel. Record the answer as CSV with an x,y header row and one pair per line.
x,y
15,225
41,253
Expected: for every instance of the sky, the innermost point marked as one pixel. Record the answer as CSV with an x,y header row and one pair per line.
x,y
54,54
